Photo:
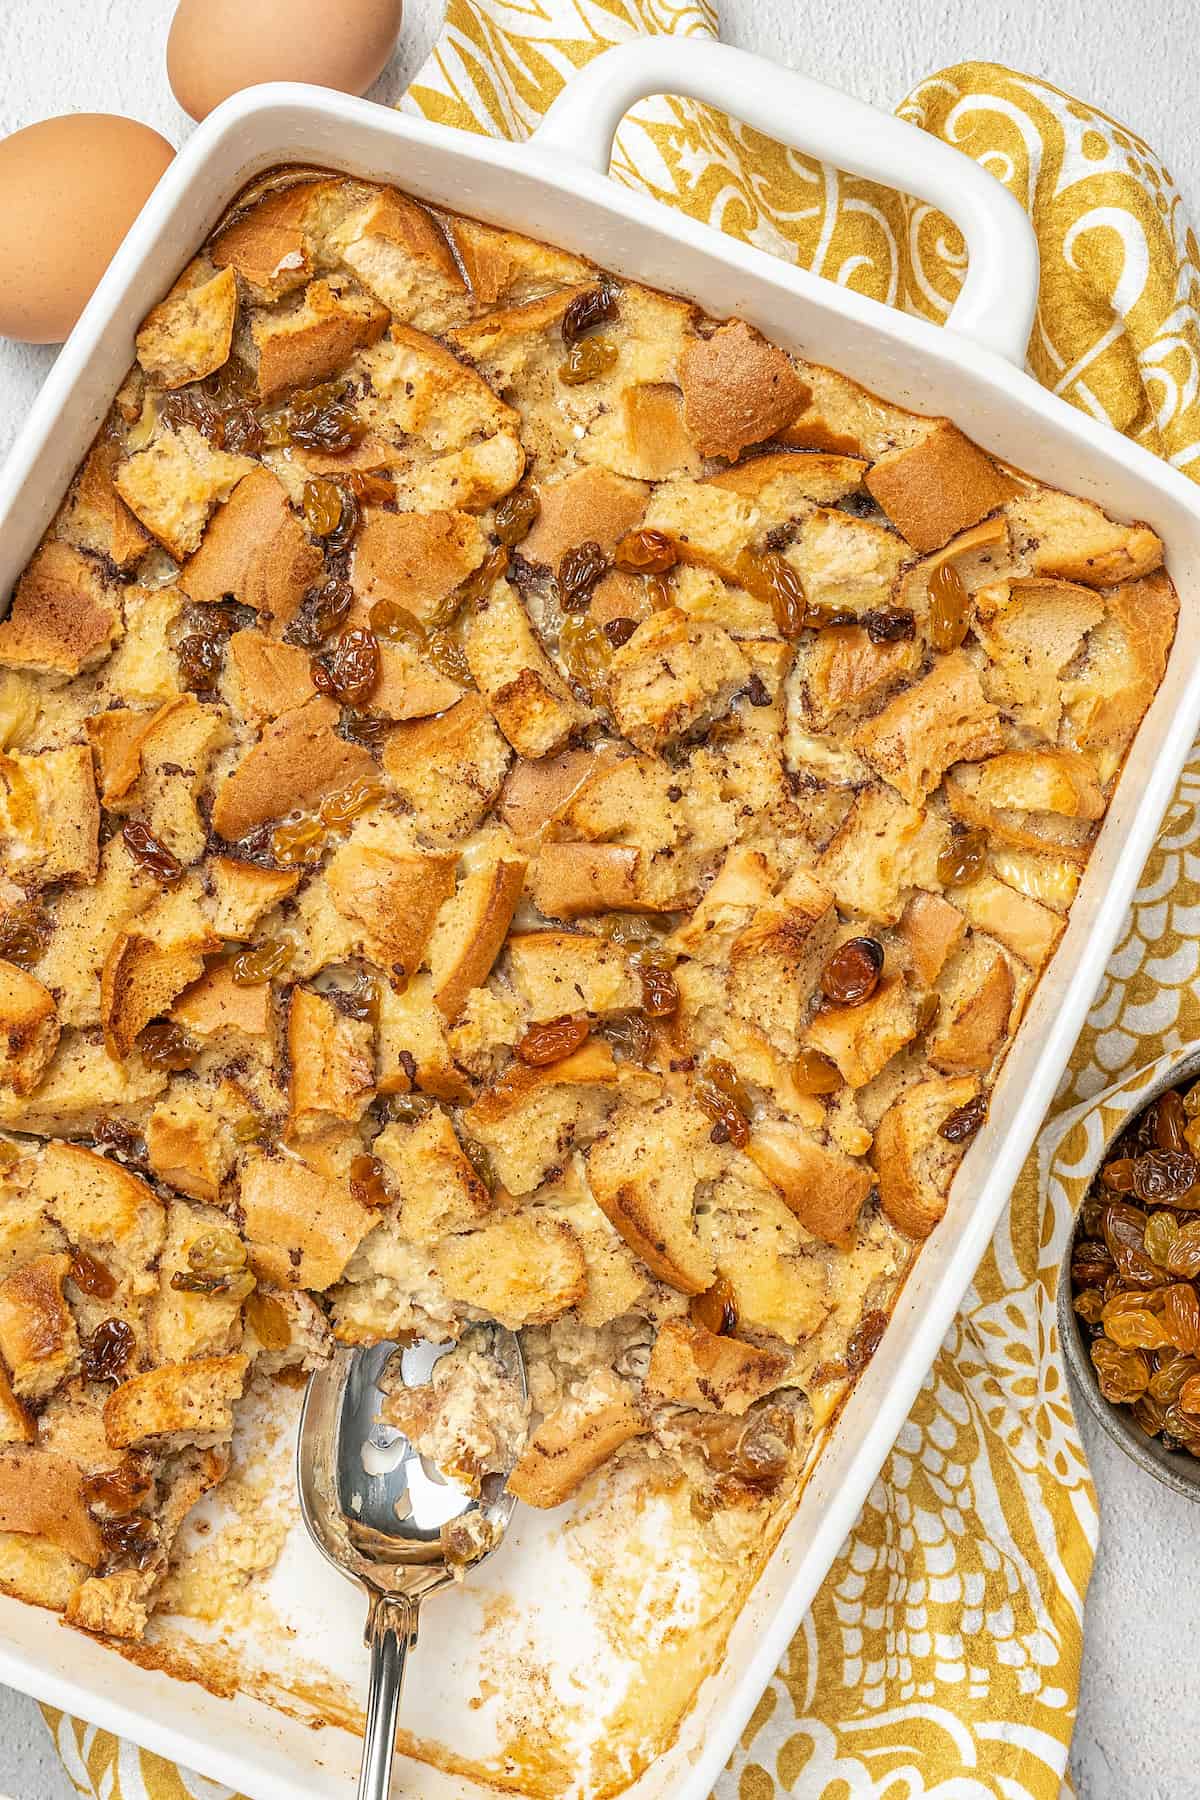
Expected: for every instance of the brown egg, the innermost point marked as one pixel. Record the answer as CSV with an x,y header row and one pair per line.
x,y
70,188
217,47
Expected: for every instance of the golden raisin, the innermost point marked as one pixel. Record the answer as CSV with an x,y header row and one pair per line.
x,y
645,553
660,993
948,608
721,1095
394,624
715,1308
91,1277
218,1251
963,858
770,577
298,843
339,808
149,853
321,502
165,1045
24,931
269,1322
813,1073
586,652
350,671
514,516
1117,1176
449,658
117,1492
579,569
261,964
108,1351
367,1183
852,973
552,1040
595,306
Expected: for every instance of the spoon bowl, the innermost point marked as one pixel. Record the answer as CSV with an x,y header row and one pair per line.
x,y
383,1515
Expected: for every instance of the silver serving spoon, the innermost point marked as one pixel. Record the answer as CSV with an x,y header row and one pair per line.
x,y
379,1512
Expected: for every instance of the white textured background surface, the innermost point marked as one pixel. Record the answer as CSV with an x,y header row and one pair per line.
x,y
1138,1729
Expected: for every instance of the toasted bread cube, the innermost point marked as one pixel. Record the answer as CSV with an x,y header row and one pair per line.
x,y
846,564
503,265
408,688
28,1028
862,1039
644,1173
332,1062
1032,630
50,815
881,847
576,1439
255,551
118,738
17,1425
219,1010
1065,838
81,1087
938,486
394,897
104,1209
448,770
539,793
531,1119
94,516
843,669
144,666
302,1227
177,749
527,696
64,616
1057,534
183,1323
776,961
558,972
243,893
742,885
274,244
158,955
306,346
977,992
38,1340
87,920
41,1497
914,1164
265,677
414,1051
1126,657
1024,926
1054,781
690,1366
571,880
737,389
296,762
439,1189
674,675
931,930
416,559
522,1269
587,506
189,334
755,1242
823,1187
780,481
189,1145
616,1280
174,483
400,253
471,930
643,436
177,1405
943,719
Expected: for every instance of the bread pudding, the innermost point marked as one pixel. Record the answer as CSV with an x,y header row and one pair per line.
x,y
520,801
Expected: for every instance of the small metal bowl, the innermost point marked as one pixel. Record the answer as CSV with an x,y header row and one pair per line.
x,y
1174,1468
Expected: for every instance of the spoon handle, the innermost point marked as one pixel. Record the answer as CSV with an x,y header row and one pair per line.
x,y
391,1628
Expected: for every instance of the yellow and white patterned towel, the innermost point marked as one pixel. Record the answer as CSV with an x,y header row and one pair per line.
x,y
942,1654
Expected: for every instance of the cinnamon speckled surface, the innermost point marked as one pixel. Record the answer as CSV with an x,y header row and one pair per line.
x,y
1141,1691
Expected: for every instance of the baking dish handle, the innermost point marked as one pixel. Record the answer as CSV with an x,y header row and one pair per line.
x,y
996,304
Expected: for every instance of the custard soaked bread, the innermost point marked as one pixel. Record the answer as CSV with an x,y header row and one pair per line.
x,y
519,801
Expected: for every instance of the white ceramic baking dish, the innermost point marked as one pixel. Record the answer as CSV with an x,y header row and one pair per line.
x,y
556,186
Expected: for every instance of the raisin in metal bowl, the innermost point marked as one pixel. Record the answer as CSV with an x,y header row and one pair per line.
x,y
1129,1286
